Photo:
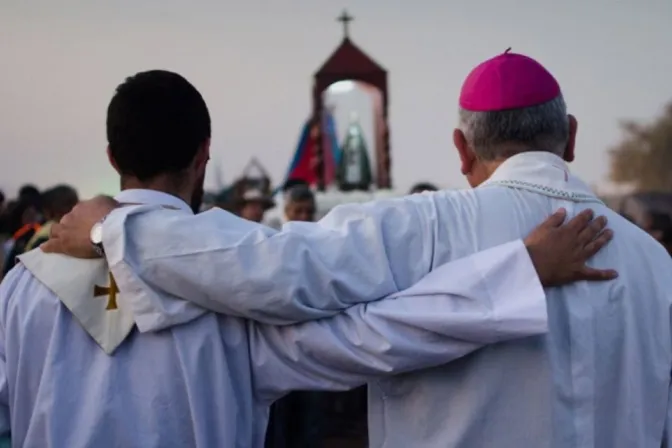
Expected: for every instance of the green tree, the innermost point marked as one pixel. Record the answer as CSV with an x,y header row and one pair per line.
x,y
644,157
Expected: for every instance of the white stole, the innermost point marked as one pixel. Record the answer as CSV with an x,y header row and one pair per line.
x,y
88,290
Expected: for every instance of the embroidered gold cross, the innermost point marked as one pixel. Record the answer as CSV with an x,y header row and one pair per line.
x,y
109,291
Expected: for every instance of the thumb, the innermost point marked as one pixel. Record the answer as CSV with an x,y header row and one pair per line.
x,y
50,246
556,219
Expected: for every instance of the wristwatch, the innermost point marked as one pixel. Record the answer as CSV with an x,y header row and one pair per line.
x,y
96,237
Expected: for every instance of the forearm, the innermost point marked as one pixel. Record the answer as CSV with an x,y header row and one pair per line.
x,y
454,310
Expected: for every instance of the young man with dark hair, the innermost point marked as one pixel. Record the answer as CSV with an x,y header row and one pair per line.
x,y
158,129
81,376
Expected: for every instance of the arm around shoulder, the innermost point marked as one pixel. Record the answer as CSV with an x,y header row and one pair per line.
x,y
357,253
448,314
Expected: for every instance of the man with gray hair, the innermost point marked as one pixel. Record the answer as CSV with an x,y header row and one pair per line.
x,y
609,347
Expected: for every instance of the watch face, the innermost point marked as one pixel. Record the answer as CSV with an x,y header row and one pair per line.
x,y
97,233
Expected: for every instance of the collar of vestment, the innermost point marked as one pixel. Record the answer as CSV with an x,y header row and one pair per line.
x,y
543,173
152,197
87,288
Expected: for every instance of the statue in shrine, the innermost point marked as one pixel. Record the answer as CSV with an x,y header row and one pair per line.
x,y
354,169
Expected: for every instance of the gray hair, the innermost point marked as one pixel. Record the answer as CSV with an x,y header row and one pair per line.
x,y
502,134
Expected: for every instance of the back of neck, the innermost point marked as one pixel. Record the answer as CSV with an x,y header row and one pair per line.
x,y
161,184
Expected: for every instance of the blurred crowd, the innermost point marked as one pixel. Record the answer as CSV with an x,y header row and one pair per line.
x,y
652,212
25,221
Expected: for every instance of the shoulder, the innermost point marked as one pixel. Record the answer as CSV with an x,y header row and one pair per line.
x,y
420,205
13,280
457,206
21,290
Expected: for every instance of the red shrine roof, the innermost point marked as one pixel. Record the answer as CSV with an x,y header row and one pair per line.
x,y
349,59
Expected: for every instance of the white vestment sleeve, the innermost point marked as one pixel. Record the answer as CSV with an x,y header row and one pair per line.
x,y
489,297
357,253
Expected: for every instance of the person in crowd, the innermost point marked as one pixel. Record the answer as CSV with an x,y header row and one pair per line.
x,y
659,226
87,363
253,204
293,183
29,193
303,189
300,204
422,187
24,223
56,203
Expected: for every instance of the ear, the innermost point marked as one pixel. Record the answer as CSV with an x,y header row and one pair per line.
x,y
569,149
202,158
113,162
467,156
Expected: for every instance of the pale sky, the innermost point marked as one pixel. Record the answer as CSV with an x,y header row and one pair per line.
x,y
253,62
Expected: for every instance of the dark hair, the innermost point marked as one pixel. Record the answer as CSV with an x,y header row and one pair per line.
x,y
291,183
423,186
156,123
5,215
59,200
2,197
30,194
299,193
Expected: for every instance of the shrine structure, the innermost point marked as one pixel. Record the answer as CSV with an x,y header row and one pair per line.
x,y
349,63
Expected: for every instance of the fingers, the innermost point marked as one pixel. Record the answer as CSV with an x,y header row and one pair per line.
x,y
588,273
55,230
592,230
556,219
580,221
50,246
67,219
598,243
53,243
